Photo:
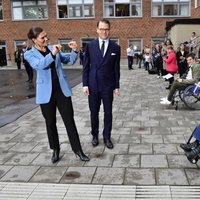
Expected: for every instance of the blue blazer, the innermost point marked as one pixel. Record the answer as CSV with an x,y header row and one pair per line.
x,y
101,73
42,66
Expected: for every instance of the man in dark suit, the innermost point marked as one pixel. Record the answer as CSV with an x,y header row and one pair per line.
x,y
101,74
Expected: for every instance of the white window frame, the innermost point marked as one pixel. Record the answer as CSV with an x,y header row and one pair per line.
x,y
115,4
19,8
133,41
163,3
81,9
197,3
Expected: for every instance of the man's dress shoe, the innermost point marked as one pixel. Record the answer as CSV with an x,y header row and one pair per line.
x,y
95,141
108,144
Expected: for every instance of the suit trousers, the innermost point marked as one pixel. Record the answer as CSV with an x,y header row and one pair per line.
x,y
176,86
95,99
65,107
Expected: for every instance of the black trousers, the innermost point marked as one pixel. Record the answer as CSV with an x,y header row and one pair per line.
x,y
95,99
65,107
130,62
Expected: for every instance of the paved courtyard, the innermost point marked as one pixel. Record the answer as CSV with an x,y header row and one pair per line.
x,y
146,138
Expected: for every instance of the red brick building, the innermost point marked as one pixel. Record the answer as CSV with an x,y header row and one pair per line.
x,y
132,21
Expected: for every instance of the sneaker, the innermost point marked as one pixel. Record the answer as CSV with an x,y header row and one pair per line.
x,y
165,102
189,146
158,76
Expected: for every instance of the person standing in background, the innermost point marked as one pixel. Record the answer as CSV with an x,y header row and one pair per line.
x,y
101,74
130,54
29,69
18,57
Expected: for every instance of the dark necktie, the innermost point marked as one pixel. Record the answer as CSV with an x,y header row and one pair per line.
x,y
102,48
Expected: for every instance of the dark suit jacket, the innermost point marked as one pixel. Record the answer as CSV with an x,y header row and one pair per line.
x,y
101,73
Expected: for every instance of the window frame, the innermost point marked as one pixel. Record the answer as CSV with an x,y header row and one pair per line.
x,y
115,4
82,6
197,3
23,7
131,40
163,3
1,9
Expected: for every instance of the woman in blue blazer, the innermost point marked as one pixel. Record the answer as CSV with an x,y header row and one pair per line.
x,y
53,90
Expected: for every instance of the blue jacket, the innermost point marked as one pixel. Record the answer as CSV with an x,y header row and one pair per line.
x,y
42,66
101,73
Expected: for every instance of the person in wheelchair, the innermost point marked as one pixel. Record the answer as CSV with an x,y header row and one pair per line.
x,y
180,83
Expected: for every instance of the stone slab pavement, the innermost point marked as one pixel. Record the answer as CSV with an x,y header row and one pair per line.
x,y
146,138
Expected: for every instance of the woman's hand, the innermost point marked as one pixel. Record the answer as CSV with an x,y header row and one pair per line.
x,y
56,49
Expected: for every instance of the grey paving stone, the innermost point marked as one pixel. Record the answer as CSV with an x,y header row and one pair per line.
x,y
49,174
78,175
171,177
23,147
118,149
42,148
141,130
173,139
161,130
5,157
22,159
129,139
179,161
139,177
193,176
156,161
127,161
165,149
109,176
100,160
20,173
43,159
5,137
5,146
140,149
4,170
151,139
70,160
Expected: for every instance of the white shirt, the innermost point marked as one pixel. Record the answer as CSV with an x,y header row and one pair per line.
x,y
189,74
130,52
106,45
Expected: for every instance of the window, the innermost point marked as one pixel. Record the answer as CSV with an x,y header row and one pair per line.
x,y
167,8
25,10
1,11
75,9
137,44
19,44
3,58
197,3
157,40
64,42
122,8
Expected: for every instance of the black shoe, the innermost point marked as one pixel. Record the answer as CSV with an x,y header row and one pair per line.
x,y
82,156
95,141
189,146
193,155
55,156
108,144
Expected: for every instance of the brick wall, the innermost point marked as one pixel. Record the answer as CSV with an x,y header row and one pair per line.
x,y
145,27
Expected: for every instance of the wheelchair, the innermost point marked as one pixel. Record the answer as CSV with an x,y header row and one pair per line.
x,y
190,96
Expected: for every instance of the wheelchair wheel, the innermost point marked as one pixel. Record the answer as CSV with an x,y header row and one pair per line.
x,y
191,100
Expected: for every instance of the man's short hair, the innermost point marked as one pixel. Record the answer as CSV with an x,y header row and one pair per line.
x,y
192,55
104,21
